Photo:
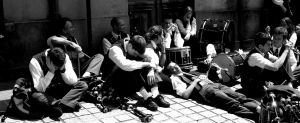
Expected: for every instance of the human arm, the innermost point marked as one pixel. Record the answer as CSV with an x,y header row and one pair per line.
x,y
40,81
194,27
257,59
53,40
187,93
184,32
105,45
117,56
293,39
69,76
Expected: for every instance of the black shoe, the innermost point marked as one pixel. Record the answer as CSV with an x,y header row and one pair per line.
x,y
55,113
150,104
69,109
160,101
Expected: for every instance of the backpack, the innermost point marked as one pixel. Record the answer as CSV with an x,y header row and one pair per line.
x,y
20,103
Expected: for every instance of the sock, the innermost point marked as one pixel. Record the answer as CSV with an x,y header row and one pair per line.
x,y
154,91
144,93
86,74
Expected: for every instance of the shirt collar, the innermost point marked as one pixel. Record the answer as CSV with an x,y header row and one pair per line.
x,y
115,35
125,46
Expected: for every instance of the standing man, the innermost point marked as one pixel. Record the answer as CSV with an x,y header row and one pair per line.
x,y
171,33
66,40
117,34
56,88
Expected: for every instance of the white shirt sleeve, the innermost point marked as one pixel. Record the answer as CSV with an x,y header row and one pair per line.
x,y
40,81
168,40
117,56
293,39
106,45
178,41
69,76
151,56
258,60
179,86
210,49
194,27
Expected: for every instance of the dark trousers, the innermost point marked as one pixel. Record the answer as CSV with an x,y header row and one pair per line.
x,y
68,95
92,64
224,97
126,83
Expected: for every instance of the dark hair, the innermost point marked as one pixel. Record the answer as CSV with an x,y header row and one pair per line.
x,y
281,31
185,10
57,56
168,16
114,21
289,25
61,24
261,38
138,43
153,32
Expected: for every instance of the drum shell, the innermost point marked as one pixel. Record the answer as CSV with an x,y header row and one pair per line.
x,y
232,62
181,56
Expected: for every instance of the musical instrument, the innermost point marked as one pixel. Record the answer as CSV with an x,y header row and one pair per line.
x,y
231,64
181,56
102,94
280,105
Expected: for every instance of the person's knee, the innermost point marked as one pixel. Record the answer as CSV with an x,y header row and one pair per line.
x,y
40,98
99,56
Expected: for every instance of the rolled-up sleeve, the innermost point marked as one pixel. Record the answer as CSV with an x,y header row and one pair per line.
x,y
117,56
40,81
69,76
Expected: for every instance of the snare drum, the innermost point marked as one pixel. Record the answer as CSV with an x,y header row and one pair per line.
x,y
232,61
181,56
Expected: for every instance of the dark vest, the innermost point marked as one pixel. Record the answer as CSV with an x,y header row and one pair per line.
x,y
112,39
252,77
279,52
41,58
108,65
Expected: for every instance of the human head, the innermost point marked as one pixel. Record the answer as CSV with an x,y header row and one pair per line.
x,y
118,25
155,33
57,56
65,27
173,69
263,42
279,36
288,24
136,46
187,13
167,21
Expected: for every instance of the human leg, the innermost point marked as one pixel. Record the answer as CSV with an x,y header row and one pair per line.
x,y
46,104
92,65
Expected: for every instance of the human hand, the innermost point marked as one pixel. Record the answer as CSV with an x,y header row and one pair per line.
x,y
151,77
76,47
50,65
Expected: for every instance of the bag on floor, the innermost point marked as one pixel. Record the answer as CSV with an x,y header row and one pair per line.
x,y
20,106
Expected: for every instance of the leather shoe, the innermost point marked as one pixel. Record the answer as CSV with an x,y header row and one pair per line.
x,y
150,104
160,101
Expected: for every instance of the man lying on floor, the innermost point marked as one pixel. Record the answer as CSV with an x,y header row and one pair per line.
x,y
212,93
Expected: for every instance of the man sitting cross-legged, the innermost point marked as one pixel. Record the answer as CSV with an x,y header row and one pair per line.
x,y
56,88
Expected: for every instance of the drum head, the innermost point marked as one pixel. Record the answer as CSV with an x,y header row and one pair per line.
x,y
224,61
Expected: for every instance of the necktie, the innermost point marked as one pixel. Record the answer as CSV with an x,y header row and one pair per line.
x,y
183,78
276,53
119,37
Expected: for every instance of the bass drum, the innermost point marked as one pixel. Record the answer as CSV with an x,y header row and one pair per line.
x,y
231,63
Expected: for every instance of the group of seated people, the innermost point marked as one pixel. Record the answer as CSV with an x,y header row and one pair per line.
x,y
138,64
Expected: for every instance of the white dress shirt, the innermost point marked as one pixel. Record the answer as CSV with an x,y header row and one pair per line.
x,y
42,81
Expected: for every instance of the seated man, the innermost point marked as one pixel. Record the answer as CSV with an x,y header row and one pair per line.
x,y
117,34
212,93
80,61
56,88
125,73
171,33
260,66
